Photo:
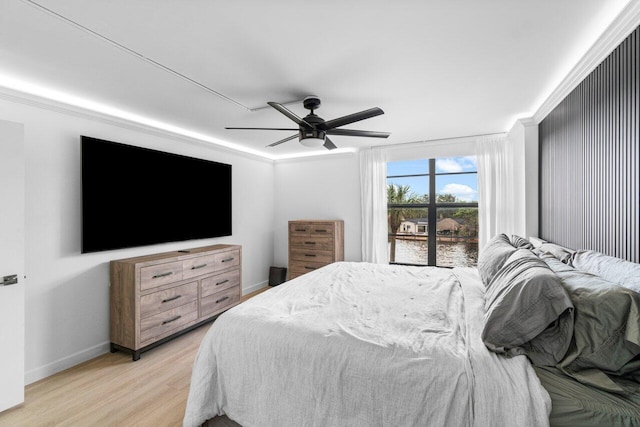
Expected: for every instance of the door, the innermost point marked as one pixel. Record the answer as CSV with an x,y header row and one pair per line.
x,y
12,221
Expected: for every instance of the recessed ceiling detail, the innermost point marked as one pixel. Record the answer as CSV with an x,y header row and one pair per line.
x,y
439,69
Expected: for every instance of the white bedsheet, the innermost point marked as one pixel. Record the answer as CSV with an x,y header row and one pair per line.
x,y
360,344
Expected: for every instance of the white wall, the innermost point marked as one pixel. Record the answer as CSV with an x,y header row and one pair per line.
x,y
523,138
326,187
67,297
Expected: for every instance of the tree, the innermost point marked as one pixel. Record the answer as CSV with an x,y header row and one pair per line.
x,y
470,224
446,198
399,194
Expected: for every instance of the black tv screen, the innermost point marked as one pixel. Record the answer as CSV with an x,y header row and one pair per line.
x,y
133,196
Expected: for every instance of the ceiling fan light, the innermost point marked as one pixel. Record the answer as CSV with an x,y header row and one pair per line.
x,y
312,138
312,142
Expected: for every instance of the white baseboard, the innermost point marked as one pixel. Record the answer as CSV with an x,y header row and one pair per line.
x,y
65,363
255,287
95,351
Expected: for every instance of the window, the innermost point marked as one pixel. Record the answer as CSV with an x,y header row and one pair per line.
x,y
433,212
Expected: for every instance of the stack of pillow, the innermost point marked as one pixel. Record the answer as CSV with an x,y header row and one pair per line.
x,y
527,309
576,310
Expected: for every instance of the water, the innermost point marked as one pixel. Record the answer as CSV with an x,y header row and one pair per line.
x,y
448,254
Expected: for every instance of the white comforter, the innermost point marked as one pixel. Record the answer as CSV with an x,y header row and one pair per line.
x,y
359,344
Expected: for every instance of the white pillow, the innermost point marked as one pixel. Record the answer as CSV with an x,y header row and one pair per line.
x,y
616,270
536,241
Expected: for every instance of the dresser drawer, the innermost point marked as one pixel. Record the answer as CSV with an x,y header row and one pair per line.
x,y
210,263
301,267
198,266
219,301
311,242
299,228
227,259
219,282
301,254
168,299
311,228
167,321
160,274
320,229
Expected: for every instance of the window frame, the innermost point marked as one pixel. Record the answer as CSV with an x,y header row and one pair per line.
x,y
432,209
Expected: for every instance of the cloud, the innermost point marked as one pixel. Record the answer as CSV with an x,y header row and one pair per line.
x,y
461,191
469,162
456,164
448,165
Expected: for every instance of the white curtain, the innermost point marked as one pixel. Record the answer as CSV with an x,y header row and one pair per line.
x,y
495,188
373,202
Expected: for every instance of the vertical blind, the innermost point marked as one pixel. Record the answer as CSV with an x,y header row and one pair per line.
x,y
590,160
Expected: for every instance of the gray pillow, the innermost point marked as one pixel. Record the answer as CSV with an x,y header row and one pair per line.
x,y
528,311
520,242
605,349
493,256
612,269
559,252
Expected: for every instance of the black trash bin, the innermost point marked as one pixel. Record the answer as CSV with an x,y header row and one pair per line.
x,y
277,275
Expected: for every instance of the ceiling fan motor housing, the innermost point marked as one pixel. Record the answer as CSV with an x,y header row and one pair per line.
x,y
312,137
312,133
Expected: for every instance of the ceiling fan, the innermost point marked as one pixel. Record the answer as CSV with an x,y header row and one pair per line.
x,y
314,131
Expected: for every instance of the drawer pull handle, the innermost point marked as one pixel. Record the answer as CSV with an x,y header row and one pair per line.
x,y
171,299
310,255
157,276
195,267
309,243
309,268
228,259
321,231
301,229
173,319
222,299
223,282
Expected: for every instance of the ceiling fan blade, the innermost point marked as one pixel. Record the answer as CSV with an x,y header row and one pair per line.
x,y
328,144
264,128
351,118
353,132
284,110
289,138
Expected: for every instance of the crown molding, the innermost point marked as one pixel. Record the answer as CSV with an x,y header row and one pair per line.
x,y
624,24
17,96
20,97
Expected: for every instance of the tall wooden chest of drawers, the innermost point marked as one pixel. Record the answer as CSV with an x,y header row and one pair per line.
x,y
313,244
154,298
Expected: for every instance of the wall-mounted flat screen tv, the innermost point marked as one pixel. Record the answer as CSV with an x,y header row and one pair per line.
x,y
133,196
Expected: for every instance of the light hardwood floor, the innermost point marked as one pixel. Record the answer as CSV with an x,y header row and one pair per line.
x,y
112,390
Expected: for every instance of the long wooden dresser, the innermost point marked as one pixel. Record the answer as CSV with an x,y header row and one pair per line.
x,y
154,298
314,244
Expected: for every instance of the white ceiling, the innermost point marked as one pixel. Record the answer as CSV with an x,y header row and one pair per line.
x,y
438,68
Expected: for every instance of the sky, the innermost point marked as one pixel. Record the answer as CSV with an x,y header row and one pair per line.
x,y
464,186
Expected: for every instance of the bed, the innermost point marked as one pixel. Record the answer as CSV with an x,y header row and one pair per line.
x,y
361,344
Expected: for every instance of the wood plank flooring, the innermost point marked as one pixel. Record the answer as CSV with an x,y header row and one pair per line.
x,y
112,390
